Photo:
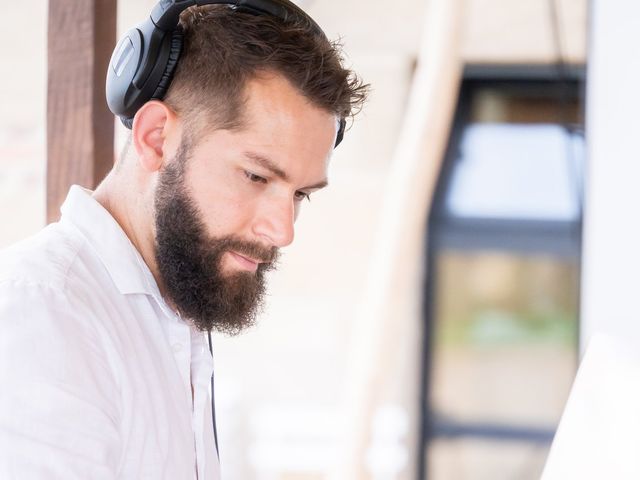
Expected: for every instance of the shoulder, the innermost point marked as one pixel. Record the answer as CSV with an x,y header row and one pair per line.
x,y
35,304
54,368
43,260
36,295
48,327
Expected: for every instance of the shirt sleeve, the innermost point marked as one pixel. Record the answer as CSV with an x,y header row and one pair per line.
x,y
58,398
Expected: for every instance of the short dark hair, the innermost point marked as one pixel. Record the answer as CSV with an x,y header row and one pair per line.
x,y
224,48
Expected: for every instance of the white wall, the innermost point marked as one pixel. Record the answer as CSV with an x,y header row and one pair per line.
x,y
611,282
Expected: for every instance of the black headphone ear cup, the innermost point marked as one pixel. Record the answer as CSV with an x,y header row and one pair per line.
x,y
175,50
177,38
127,122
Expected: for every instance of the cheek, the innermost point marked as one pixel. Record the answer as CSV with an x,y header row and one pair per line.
x,y
225,208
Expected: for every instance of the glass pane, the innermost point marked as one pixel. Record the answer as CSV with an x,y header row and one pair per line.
x,y
516,171
505,338
466,459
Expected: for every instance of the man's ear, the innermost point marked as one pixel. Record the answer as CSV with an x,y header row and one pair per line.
x,y
152,126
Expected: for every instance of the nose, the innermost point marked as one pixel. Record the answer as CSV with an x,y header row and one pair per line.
x,y
274,223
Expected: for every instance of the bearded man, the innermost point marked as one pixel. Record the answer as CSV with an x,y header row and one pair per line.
x,y
104,365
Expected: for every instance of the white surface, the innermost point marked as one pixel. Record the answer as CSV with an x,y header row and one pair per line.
x,y
599,433
611,259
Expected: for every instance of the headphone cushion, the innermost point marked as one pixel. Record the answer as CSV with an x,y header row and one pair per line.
x,y
175,50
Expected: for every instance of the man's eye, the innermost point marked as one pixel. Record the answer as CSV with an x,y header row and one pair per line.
x,y
255,178
302,196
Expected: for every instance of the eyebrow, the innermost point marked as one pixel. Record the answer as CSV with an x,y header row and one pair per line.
x,y
264,162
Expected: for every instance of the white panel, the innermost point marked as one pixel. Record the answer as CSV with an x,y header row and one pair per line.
x,y
600,429
611,282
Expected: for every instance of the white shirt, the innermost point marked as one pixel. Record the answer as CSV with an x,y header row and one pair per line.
x,y
95,369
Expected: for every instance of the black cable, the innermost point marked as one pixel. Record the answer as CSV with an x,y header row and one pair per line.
x,y
557,40
213,401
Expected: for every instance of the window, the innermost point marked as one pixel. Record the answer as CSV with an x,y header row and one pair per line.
x,y
503,276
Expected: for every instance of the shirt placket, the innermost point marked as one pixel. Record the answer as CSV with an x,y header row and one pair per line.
x,y
202,369
179,336
196,367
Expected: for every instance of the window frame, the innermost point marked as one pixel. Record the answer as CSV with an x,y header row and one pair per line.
x,y
561,239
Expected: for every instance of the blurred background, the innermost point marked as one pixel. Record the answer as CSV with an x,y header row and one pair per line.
x,y
426,321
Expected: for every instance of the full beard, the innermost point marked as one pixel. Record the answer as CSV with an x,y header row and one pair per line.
x,y
189,261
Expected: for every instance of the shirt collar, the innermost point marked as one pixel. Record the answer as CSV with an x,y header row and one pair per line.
x,y
122,260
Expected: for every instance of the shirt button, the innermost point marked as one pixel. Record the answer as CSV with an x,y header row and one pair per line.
x,y
177,347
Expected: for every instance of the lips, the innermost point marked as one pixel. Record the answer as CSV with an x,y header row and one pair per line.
x,y
245,262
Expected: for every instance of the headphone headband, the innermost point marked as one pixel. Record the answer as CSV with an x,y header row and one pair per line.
x,y
143,62
166,14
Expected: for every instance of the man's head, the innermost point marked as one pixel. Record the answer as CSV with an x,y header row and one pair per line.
x,y
224,48
243,137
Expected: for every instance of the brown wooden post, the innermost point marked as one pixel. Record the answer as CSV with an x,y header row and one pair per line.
x,y
82,34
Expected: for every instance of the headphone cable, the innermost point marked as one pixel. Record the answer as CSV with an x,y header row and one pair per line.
x,y
213,401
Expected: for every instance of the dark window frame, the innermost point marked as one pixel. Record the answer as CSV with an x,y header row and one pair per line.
x,y
556,238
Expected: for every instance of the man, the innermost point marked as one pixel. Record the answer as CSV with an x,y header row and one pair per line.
x,y
103,362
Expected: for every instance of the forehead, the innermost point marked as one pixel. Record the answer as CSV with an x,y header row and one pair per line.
x,y
279,123
270,99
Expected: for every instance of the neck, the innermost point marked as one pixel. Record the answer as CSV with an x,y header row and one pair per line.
x,y
133,212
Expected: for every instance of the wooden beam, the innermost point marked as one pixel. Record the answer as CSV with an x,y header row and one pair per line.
x,y
80,127
386,338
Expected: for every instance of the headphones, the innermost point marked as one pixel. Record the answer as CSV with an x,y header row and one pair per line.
x,y
143,62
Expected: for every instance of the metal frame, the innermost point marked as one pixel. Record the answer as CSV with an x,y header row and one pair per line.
x,y
557,238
